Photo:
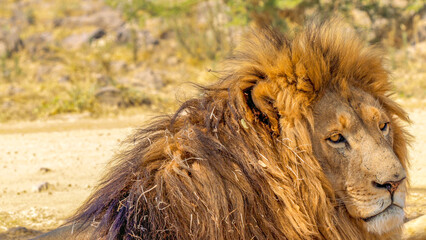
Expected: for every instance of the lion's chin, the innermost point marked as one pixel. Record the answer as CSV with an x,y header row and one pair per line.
x,y
386,221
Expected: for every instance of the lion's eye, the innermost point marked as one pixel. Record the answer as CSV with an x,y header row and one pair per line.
x,y
384,127
336,138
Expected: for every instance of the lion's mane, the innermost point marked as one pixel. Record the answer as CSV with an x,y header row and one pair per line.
x,y
237,163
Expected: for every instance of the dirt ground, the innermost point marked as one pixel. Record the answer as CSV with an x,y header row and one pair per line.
x,y
70,156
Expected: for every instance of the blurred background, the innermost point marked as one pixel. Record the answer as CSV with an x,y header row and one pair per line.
x,y
98,58
97,62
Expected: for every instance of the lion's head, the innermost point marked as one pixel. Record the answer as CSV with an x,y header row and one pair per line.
x,y
298,140
353,139
326,96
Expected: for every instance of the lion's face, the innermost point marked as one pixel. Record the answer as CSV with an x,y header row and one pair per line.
x,y
353,140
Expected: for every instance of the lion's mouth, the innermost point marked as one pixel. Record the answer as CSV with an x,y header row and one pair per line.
x,y
384,211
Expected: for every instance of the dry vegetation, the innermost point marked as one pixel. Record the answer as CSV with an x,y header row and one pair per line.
x,y
113,57
62,68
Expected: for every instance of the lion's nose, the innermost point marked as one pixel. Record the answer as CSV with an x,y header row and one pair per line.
x,y
391,186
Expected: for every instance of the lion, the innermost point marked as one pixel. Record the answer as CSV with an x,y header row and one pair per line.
x,y
299,139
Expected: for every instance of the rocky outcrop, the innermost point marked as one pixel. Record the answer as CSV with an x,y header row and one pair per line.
x,y
76,41
105,18
10,41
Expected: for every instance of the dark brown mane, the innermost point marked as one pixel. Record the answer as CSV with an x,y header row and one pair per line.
x,y
200,173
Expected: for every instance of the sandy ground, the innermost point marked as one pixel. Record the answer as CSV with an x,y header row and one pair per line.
x,y
71,156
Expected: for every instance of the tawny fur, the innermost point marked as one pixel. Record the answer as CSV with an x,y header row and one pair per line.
x,y
237,163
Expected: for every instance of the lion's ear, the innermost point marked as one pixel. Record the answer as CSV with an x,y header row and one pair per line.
x,y
260,99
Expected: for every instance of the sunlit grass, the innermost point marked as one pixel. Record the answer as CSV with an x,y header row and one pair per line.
x,y
61,81
39,218
409,76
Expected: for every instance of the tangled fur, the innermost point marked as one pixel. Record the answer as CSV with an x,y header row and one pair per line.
x,y
237,163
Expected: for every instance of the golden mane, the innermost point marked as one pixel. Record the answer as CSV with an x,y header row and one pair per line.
x,y
238,163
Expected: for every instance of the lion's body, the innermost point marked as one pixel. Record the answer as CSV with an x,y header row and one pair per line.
x,y
238,163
